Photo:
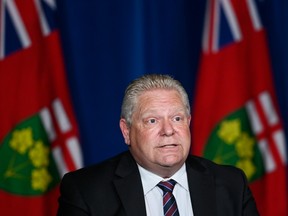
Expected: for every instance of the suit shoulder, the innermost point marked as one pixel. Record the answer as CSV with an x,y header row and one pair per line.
x,y
96,172
217,170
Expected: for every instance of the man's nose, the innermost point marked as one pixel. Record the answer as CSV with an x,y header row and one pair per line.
x,y
167,128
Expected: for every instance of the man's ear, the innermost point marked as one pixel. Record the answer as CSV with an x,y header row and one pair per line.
x,y
189,119
125,129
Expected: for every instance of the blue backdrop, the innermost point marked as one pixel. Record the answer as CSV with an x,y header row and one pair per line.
x,y
108,43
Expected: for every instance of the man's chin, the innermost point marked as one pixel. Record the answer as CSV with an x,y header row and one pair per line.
x,y
171,161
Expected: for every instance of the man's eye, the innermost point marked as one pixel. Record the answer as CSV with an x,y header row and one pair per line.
x,y
152,121
177,118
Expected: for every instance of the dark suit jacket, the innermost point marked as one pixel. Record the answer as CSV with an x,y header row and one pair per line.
x,y
114,188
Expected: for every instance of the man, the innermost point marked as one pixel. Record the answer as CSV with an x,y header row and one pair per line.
x,y
155,121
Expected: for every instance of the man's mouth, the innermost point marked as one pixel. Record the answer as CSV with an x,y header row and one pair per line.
x,y
168,145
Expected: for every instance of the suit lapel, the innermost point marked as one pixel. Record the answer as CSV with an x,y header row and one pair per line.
x,y
202,188
129,187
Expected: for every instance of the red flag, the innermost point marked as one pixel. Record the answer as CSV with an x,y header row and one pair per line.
x,y
38,131
235,118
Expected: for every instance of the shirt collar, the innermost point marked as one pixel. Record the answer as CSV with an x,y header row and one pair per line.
x,y
150,180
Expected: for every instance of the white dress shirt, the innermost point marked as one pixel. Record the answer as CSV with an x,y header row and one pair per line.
x,y
154,195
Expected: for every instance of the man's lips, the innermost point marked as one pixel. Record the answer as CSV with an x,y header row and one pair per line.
x,y
168,145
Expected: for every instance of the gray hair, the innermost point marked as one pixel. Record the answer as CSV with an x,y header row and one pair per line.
x,y
146,83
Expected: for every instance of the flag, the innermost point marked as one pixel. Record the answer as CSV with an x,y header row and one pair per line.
x,y
235,119
38,132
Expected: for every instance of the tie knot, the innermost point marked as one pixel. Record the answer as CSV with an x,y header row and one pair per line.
x,y
167,186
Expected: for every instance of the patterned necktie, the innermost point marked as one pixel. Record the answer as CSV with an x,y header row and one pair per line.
x,y
169,202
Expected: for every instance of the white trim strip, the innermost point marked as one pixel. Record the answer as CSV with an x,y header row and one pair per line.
x,y
256,124
2,27
60,162
216,29
256,21
51,3
18,23
268,108
280,143
43,21
75,151
48,124
232,19
61,116
267,156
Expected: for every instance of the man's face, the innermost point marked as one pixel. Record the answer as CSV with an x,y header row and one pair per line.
x,y
159,136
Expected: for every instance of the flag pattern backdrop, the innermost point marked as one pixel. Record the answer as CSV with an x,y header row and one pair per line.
x,y
235,117
38,131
